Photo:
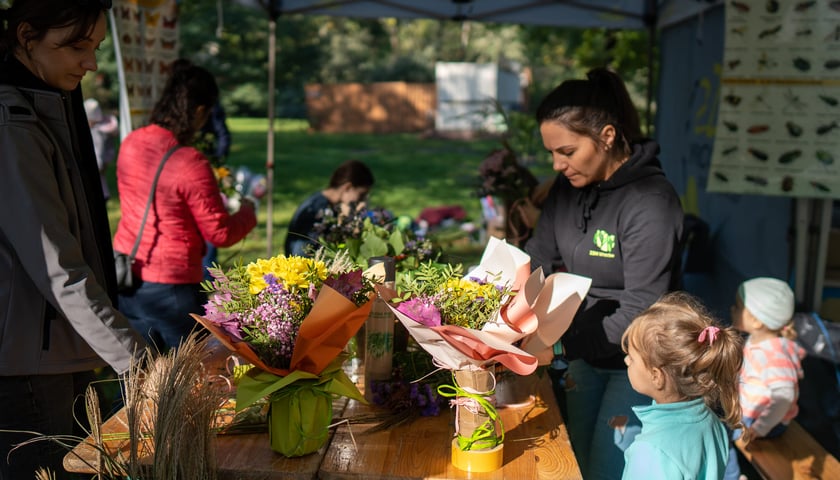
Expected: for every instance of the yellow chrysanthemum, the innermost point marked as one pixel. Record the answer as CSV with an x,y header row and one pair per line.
x,y
221,173
468,290
295,273
468,303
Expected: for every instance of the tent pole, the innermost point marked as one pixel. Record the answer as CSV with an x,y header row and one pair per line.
x,y
650,21
269,161
824,228
803,209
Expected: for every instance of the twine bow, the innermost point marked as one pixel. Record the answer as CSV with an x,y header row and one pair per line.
x,y
483,437
711,331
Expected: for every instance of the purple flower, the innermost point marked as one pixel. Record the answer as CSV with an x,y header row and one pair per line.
x,y
229,322
346,284
420,311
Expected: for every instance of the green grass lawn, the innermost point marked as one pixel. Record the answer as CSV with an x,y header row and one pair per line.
x,y
411,173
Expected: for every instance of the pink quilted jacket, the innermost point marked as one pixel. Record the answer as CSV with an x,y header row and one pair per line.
x,y
187,209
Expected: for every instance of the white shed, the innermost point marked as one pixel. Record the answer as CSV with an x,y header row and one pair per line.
x,y
467,94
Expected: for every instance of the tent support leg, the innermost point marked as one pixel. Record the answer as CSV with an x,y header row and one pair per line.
x,y
269,161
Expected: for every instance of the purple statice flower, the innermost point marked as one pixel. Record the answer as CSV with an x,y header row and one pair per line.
x,y
421,311
272,334
432,408
271,327
381,391
424,398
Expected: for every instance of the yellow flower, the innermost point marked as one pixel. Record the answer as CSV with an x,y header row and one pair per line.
x,y
295,273
469,290
221,173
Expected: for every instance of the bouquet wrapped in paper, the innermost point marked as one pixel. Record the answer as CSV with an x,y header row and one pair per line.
x,y
291,317
499,313
465,323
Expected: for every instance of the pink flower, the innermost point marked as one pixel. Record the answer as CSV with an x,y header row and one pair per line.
x,y
420,311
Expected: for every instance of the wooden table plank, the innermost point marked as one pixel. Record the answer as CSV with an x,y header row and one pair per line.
x,y
536,447
238,456
250,457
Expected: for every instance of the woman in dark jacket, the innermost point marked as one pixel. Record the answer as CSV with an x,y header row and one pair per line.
x,y
614,217
57,282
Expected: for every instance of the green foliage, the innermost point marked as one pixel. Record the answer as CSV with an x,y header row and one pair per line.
x,y
363,233
247,99
426,279
524,135
236,281
464,302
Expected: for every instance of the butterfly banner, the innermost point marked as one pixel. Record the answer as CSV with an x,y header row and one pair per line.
x,y
145,34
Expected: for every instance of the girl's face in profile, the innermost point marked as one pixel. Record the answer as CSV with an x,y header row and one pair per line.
x,y
641,377
578,157
354,194
58,65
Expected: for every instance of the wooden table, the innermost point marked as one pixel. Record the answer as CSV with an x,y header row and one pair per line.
x,y
536,447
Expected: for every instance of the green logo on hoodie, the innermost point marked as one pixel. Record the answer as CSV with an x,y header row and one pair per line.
x,y
605,243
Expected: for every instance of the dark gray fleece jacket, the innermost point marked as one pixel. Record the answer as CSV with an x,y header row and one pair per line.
x,y
624,234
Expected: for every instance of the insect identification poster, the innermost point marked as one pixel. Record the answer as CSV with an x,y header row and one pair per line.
x,y
778,126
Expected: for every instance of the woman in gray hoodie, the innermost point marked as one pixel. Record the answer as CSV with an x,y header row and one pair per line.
x,y
612,216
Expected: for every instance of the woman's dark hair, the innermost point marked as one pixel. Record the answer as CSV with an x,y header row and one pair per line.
x,y
587,106
188,87
353,171
45,15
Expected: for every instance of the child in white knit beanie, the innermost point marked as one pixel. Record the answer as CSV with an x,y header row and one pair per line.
x,y
769,379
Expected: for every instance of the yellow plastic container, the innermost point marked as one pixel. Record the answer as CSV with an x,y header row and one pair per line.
x,y
477,460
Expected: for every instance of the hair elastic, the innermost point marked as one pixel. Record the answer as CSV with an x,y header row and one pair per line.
x,y
712,332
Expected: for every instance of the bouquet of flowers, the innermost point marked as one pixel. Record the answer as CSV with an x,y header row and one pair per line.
x,y
501,175
238,184
291,318
499,312
373,232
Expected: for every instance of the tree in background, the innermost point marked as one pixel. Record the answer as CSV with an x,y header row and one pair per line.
x,y
316,49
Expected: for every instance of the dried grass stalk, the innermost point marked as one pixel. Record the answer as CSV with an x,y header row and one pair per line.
x,y
44,474
174,393
170,410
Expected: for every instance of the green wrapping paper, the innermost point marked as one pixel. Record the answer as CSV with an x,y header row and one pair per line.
x,y
298,420
300,410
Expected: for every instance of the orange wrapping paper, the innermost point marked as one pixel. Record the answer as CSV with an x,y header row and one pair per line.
x,y
331,323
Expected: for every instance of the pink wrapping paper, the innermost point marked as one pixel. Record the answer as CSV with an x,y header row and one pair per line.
x,y
537,315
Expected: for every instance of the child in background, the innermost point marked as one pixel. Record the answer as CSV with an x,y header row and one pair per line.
x,y
104,130
677,355
769,386
349,184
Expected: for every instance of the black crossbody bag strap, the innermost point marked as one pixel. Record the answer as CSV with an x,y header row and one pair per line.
x,y
151,200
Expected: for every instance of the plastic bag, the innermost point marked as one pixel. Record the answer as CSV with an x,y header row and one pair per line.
x,y
818,337
125,277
